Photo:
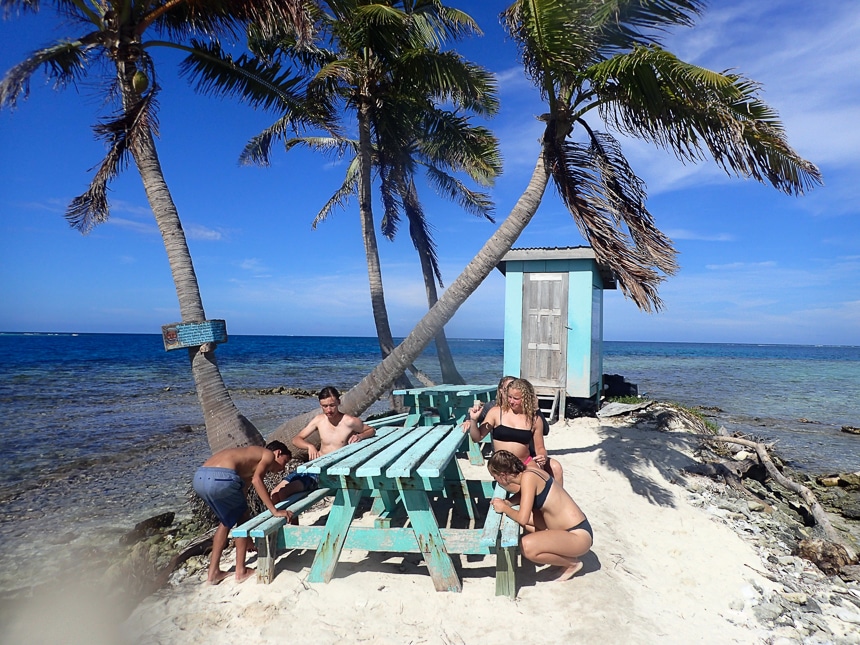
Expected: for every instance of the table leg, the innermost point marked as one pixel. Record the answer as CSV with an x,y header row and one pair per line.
x,y
506,571
336,528
476,456
430,540
384,508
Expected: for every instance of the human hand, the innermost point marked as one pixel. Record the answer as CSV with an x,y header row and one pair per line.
x,y
475,410
500,504
313,452
353,438
282,513
540,460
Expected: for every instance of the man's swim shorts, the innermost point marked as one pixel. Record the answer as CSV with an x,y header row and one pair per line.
x,y
221,489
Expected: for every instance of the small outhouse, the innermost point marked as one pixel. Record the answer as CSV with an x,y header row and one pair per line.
x,y
554,322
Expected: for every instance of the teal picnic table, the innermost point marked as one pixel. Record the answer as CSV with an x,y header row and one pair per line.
x,y
447,404
405,468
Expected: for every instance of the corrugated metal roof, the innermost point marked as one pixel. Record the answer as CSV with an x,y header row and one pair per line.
x,y
560,253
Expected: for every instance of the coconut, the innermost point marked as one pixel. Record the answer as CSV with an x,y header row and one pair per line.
x,y
139,81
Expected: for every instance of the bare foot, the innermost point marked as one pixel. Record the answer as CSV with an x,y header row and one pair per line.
x,y
245,575
570,571
221,575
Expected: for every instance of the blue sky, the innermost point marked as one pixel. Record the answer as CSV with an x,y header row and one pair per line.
x,y
757,266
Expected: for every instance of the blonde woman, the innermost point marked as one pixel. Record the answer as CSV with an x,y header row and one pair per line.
x,y
557,531
515,425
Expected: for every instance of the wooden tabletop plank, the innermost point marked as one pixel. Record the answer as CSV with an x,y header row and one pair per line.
x,y
382,437
436,461
350,462
404,465
379,462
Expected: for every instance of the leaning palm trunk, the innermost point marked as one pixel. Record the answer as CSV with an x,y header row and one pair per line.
x,y
375,384
225,426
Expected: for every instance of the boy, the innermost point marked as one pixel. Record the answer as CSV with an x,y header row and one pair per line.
x,y
335,429
223,482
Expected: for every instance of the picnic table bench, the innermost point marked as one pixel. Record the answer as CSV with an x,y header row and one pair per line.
x,y
405,469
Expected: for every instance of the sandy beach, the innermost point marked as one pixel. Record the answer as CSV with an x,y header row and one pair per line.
x,y
660,569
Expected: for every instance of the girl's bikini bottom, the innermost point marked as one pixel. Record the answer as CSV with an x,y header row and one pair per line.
x,y
583,525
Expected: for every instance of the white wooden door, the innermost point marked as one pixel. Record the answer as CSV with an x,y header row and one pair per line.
x,y
544,347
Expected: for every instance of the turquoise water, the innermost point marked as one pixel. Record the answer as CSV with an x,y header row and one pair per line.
x,y
102,430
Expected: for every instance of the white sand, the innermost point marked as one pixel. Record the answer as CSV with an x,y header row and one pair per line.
x,y
660,570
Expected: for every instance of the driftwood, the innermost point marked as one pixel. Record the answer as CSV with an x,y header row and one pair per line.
x,y
731,472
807,495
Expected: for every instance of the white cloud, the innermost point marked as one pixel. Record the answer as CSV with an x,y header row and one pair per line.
x,y
132,225
200,232
684,234
733,266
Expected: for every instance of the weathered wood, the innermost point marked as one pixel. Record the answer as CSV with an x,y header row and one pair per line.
x,y
818,513
264,529
339,518
437,460
295,503
430,541
408,460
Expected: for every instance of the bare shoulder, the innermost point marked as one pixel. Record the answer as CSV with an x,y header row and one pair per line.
x,y
352,422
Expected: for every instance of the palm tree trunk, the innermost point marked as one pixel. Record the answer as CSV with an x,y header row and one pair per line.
x,y
450,374
368,233
372,386
225,426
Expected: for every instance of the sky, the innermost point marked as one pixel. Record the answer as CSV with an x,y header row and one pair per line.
x,y
757,266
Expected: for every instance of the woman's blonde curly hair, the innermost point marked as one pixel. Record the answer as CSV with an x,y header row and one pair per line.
x,y
530,402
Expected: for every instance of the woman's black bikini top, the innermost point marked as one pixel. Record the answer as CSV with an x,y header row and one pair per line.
x,y
541,497
514,435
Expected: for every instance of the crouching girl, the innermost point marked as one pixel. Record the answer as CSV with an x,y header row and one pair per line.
x,y
557,531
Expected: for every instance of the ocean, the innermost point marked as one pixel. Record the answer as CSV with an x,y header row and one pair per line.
x,y
100,431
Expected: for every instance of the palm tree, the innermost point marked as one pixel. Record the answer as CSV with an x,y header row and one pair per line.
x,y
604,58
439,141
379,59
112,37
415,133
382,50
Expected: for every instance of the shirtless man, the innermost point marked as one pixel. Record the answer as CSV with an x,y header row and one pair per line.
x,y
223,482
335,429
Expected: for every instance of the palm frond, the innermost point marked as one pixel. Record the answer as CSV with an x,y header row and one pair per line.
x,y
10,7
624,24
392,179
348,188
219,18
420,230
554,37
625,196
121,134
64,63
214,72
449,140
588,179
434,23
447,76
474,202
651,94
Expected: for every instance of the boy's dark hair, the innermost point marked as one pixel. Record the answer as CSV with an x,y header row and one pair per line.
x,y
279,445
328,392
